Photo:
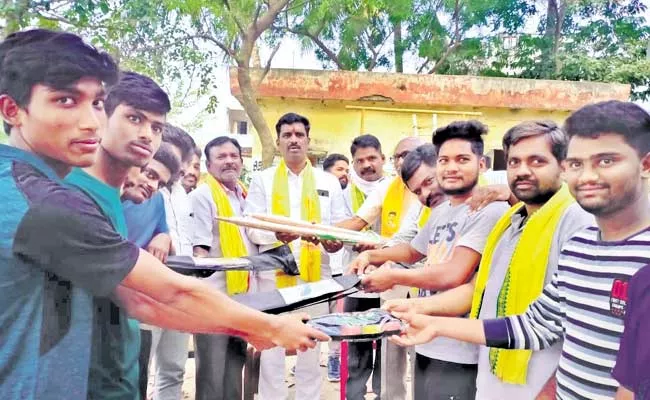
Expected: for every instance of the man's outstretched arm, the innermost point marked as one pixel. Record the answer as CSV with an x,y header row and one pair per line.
x,y
87,251
538,328
156,295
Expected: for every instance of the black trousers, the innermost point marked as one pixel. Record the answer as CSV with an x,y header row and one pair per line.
x,y
219,363
143,360
442,380
360,361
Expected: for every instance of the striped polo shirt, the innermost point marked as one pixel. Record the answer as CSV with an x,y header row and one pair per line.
x,y
584,304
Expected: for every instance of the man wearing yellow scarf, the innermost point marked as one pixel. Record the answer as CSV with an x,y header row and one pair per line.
x,y
297,190
222,194
452,240
381,204
519,258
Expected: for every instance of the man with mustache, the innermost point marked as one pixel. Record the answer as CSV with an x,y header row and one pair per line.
x,y
295,189
606,168
193,172
386,205
527,242
367,177
453,241
220,358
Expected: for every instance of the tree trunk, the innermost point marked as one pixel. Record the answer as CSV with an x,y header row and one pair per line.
x,y
558,34
252,108
548,53
398,47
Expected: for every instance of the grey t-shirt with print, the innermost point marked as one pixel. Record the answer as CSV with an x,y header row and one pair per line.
x,y
450,227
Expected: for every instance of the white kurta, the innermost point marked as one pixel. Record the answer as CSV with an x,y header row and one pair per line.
x,y
332,208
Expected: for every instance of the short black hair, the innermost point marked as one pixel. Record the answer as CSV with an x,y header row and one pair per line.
x,y
620,117
181,139
54,59
331,159
488,162
137,91
556,137
166,157
471,131
220,141
290,119
363,142
425,154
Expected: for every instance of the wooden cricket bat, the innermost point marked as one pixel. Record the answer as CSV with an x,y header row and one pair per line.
x,y
307,229
278,219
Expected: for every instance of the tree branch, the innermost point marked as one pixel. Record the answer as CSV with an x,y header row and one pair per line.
x,y
455,40
216,42
234,17
377,53
330,54
267,68
423,66
257,27
442,59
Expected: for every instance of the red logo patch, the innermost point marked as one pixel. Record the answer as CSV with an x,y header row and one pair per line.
x,y
618,298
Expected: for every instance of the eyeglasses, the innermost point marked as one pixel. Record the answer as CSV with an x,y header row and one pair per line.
x,y
401,155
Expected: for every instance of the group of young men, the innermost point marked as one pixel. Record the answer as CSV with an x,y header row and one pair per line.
x,y
535,287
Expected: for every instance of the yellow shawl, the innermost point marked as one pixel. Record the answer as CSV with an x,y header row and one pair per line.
x,y
393,208
425,213
358,197
310,255
230,239
524,280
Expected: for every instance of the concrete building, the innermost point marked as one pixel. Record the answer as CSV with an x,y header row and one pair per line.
x,y
344,104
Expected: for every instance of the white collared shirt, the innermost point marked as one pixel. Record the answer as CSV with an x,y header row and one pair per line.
x,y
206,227
259,200
179,218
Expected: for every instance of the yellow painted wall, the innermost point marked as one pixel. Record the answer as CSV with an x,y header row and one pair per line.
x,y
333,126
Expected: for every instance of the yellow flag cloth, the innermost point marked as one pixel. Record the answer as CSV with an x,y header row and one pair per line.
x,y
310,255
524,279
481,180
425,213
393,207
358,197
230,239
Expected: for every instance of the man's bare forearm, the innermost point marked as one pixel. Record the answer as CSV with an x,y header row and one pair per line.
x,y
463,329
451,303
402,252
149,311
204,308
444,276
424,278
355,223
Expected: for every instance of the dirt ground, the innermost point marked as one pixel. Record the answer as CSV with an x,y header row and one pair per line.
x,y
331,390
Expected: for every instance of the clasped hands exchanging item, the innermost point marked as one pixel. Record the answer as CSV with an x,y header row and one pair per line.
x,y
420,328
330,246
